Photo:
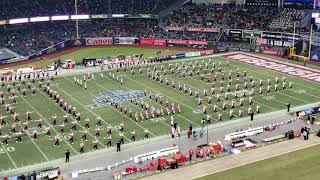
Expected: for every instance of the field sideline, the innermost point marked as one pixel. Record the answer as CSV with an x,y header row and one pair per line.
x,y
21,154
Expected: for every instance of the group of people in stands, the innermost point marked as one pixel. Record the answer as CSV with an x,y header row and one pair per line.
x,y
29,38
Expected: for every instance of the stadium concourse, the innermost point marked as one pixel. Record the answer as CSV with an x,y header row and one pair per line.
x,y
103,158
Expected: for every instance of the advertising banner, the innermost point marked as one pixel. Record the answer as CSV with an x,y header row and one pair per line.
x,y
272,42
203,29
272,52
183,55
206,52
235,33
99,41
169,28
126,40
272,35
251,34
187,42
193,54
261,41
312,110
193,29
153,42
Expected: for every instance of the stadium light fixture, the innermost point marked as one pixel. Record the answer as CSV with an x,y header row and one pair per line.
x,y
18,21
60,18
40,19
74,17
118,15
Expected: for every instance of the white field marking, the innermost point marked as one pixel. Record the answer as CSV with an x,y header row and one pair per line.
x,y
254,102
177,114
36,145
39,148
295,98
73,119
279,73
35,110
5,149
278,92
112,107
171,99
85,107
259,95
131,89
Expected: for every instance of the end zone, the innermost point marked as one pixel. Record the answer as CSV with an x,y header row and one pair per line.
x,y
291,70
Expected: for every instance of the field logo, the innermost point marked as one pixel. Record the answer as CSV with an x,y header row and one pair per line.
x,y
118,96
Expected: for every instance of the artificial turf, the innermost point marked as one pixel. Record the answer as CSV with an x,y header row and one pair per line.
x,y
35,151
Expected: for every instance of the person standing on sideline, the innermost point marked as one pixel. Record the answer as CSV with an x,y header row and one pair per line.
x,y
190,154
251,115
288,106
67,153
194,135
305,135
118,146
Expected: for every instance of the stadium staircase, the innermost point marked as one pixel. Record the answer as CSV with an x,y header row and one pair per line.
x,y
174,6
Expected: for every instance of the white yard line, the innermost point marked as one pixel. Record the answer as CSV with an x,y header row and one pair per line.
x,y
235,115
295,98
169,98
5,149
39,149
36,145
35,110
72,118
280,92
277,72
113,107
86,108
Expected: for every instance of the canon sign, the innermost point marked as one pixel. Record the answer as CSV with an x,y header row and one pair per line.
x,y
99,41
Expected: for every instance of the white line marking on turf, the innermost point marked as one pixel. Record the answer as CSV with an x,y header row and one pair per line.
x,y
253,66
39,149
112,107
271,76
72,118
169,98
221,102
5,149
85,107
35,110
36,145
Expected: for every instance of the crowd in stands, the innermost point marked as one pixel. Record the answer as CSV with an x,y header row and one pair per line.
x,y
285,21
235,17
26,8
27,39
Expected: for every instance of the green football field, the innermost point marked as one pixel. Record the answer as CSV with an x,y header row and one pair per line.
x,y
100,52
297,165
91,103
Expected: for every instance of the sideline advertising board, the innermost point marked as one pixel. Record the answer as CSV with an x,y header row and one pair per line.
x,y
99,41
